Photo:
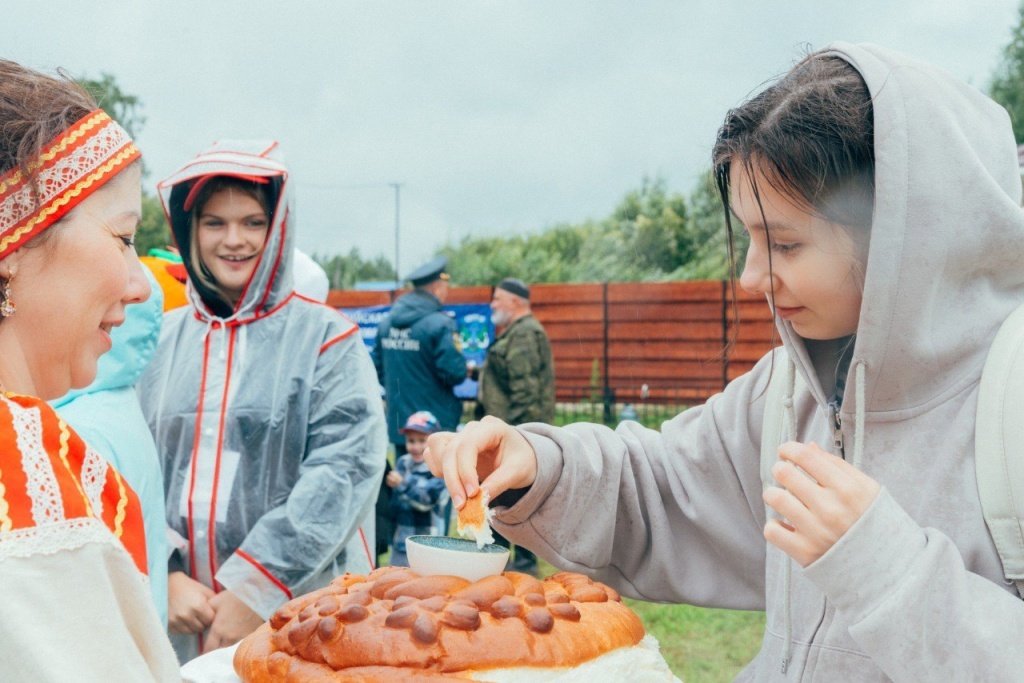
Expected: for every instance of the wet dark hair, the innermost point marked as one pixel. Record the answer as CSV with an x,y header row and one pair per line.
x,y
810,135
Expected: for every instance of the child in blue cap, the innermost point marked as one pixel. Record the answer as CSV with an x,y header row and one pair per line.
x,y
418,494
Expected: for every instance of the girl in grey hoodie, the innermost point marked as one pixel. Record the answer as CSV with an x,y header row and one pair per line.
x,y
882,201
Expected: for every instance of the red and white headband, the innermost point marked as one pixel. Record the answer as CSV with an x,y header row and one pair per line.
x,y
71,167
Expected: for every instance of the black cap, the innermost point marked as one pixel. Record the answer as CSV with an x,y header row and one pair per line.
x,y
515,286
428,272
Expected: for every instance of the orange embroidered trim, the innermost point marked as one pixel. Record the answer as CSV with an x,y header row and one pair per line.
x,y
61,201
122,504
65,436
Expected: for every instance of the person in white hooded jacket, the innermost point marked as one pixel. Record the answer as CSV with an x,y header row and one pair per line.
x,y
264,407
883,204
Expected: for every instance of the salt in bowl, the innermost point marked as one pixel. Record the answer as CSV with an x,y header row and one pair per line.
x,y
444,555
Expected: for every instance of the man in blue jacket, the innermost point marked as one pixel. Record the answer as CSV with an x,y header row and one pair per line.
x,y
417,358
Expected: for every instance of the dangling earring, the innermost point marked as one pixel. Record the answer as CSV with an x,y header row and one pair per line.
x,y
7,307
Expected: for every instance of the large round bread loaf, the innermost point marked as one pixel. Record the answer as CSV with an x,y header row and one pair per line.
x,y
394,625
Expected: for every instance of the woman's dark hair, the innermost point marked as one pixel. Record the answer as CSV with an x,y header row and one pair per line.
x,y
810,135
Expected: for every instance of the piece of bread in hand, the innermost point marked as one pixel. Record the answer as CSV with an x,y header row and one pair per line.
x,y
475,519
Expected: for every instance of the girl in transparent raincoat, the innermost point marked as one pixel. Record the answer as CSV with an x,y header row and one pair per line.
x,y
264,406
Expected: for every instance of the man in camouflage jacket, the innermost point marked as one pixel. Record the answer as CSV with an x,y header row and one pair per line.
x,y
517,383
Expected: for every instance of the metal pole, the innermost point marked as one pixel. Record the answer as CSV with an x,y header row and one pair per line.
x,y
398,272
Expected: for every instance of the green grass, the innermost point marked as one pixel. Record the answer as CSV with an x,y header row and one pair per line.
x,y
700,645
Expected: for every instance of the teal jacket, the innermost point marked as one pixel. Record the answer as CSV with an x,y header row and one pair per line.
x,y
106,414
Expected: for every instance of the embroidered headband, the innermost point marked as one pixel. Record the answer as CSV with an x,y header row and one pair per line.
x,y
71,167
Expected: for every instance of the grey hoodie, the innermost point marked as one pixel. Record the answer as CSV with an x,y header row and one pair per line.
x,y
914,590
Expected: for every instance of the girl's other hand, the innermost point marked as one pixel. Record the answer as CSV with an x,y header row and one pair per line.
x,y
489,451
822,496
188,604
233,620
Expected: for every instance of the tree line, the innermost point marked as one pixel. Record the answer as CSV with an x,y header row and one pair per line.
x,y
651,235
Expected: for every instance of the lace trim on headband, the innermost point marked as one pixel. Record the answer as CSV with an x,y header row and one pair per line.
x,y
54,180
54,538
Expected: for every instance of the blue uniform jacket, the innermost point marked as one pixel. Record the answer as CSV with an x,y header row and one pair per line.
x,y
418,362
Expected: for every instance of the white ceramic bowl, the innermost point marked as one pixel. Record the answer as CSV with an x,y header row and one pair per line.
x,y
448,556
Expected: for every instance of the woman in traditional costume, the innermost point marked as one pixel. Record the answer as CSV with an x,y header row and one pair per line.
x,y
75,602
264,405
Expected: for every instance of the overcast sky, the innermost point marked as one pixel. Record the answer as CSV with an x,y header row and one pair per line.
x,y
496,117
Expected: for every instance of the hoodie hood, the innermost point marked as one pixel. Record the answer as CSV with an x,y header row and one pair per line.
x,y
135,343
933,299
413,306
271,282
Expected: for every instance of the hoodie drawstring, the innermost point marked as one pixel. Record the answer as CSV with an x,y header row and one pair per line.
x,y
860,371
787,570
787,402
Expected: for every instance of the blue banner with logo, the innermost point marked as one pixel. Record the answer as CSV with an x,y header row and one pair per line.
x,y
475,333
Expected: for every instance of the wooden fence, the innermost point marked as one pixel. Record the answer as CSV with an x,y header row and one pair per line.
x,y
634,342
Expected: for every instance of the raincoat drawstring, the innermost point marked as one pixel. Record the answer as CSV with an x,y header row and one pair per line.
x,y
213,321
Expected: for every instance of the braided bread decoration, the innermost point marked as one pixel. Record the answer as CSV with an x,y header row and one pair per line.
x,y
395,625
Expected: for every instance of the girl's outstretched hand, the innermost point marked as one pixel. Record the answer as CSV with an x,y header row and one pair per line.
x,y
818,504
488,451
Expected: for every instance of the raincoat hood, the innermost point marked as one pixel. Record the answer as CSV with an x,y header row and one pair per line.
x,y
414,306
271,282
933,298
134,344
